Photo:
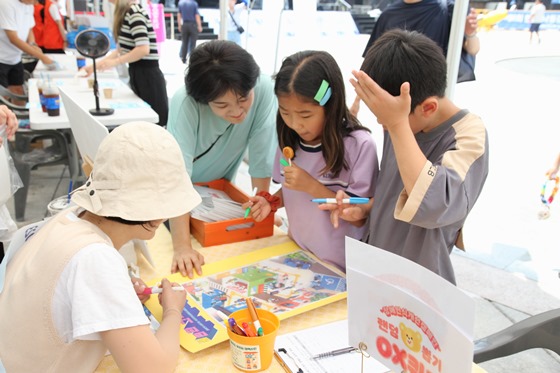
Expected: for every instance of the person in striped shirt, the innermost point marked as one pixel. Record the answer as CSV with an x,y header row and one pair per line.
x,y
137,47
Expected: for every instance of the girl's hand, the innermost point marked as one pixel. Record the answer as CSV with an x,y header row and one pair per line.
x,y
171,299
139,287
104,64
344,211
296,178
107,63
260,208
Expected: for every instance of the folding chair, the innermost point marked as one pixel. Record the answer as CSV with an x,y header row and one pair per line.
x,y
25,156
539,331
21,111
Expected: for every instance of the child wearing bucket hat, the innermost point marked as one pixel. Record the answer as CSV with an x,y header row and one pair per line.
x,y
65,294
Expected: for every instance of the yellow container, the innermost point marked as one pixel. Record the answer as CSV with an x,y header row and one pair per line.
x,y
253,354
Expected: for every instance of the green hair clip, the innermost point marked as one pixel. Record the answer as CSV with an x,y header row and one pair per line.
x,y
323,93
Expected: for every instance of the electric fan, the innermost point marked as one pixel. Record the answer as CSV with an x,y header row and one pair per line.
x,y
94,44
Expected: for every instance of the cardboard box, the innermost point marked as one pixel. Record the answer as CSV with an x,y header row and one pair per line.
x,y
234,230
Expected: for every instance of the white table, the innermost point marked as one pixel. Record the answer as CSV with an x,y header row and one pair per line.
x,y
128,107
69,68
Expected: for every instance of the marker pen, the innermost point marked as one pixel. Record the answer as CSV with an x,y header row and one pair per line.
x,y
157,290
351,200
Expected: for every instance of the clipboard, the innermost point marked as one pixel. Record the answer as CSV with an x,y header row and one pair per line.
x,y
295,351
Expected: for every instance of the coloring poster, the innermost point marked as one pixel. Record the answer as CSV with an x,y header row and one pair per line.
x,y
282,279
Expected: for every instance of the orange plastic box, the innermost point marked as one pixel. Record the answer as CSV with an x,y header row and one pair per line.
x,y
234,230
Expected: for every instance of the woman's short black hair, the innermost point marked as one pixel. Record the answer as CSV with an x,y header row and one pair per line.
x,y
217,67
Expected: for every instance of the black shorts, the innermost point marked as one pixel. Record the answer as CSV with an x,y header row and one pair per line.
x,y
11,74
535,27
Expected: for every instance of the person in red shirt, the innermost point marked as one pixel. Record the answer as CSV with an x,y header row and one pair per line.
x,y
54,34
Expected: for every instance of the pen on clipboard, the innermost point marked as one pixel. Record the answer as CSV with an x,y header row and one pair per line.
x,y
351,200
341,351
248,209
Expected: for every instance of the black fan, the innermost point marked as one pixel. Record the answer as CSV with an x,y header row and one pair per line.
x,y
94,44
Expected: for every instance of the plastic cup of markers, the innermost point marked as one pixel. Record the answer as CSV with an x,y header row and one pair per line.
x,y
253,354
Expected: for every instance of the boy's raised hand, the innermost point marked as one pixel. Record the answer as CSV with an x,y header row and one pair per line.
x,y
390,111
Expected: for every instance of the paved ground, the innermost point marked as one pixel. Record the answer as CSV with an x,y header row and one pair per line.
x,y
509,266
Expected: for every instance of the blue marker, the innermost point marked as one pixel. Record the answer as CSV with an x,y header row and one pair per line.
x,y
351,200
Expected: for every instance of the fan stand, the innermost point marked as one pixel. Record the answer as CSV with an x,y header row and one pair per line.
x,y
98,111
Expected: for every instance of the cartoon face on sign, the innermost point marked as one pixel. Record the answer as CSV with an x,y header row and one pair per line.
x,y
412,339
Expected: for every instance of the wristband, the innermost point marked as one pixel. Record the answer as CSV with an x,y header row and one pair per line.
x,y
274,201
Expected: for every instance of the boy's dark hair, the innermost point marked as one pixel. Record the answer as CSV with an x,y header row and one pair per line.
x,y
217,67
400,56
302,74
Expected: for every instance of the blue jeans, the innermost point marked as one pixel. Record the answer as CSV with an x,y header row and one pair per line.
x,y
234,36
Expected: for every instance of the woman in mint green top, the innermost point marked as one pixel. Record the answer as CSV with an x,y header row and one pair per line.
x,y
228,107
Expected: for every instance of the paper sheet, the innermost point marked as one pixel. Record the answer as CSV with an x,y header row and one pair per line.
x,y
301,346
216,206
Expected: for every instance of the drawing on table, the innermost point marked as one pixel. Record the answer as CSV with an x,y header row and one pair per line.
x,y
282,279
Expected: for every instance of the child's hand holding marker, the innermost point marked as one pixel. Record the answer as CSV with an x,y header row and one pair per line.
x,y
248,209
259,207
344,209
171,300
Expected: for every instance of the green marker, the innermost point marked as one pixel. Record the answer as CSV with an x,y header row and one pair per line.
x,y
248,209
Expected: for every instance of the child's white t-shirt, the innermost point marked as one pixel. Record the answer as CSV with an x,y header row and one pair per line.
x,y
93,294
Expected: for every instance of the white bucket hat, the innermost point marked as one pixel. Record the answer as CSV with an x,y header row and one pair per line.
x,y
139,175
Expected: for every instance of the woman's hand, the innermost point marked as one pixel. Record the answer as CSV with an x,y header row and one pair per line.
x,y
104,64
260,208
185,260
